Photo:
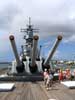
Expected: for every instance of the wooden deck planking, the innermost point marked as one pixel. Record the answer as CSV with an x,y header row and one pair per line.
x,y
60,92
37,91
24,91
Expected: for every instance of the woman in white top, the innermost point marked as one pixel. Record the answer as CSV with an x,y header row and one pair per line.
x,y
45,76
49,79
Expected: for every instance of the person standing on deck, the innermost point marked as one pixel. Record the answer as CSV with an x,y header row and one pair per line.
x,y
64,75
45,76
74,74
49,80
68,74
60,75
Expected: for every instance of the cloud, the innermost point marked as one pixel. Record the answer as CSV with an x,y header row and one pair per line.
x,y
56,53
46,44
8,14
51,17
69,39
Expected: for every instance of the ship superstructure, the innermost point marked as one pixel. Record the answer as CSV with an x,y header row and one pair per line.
x,y
28,38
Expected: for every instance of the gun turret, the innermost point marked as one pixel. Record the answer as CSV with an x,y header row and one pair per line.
x,y
33,66
20,66
50,55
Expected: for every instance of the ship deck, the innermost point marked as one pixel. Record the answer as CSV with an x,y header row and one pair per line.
x,y
35,90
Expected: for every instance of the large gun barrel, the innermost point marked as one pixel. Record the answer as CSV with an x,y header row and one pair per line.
x,y
19,67
34,49
59,38
33,66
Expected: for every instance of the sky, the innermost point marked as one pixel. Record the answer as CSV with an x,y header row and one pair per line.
x,y
51,17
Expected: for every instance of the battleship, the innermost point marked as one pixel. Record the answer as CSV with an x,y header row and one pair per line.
x,y
30,60
25,72
29,65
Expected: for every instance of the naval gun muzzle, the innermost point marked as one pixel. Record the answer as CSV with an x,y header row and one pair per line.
x,y
50,55
20,65
33,65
